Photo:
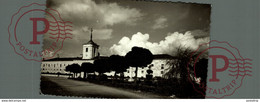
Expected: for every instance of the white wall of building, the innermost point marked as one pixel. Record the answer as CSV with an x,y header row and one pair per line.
x,y
59,66
159,68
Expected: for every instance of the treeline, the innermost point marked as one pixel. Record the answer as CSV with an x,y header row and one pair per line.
x,y
178,80
137,57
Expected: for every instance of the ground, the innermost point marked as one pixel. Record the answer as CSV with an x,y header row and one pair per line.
x,y
54,85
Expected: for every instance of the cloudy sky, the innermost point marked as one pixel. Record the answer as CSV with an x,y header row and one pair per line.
x,y
121,24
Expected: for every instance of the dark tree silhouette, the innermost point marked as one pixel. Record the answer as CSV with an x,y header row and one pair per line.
x,y
101,66
201,71
118,64
139,57
87,68
69,69
180,65
75,69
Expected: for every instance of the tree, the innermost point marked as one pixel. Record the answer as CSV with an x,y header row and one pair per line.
x,y
139,57
201,71
75,69
118,64
181,69
68,69
178,65
101,66
87,68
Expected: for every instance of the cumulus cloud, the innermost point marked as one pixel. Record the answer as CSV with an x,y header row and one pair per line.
x,y
88,13
167,46
160,23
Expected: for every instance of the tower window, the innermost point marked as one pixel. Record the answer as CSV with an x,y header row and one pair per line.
x,y
86,49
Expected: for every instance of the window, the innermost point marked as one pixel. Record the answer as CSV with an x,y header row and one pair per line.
x,y
128,71
60,65
162,67
161,72
86,49
49,65
54,65
142,71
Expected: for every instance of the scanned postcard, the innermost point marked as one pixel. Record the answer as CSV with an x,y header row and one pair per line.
x,y
125,49
129,49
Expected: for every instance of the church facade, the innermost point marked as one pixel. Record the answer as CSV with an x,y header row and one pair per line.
x,y
90,54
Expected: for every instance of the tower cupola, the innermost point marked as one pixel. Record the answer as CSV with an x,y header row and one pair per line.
x,y
90,49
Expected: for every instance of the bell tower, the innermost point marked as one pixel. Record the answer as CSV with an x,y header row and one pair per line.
x,y
90,49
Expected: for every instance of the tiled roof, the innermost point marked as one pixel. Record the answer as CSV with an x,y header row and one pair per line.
x,y
64,59
91,42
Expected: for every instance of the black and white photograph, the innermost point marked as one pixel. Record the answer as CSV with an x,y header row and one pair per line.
x,y
126,49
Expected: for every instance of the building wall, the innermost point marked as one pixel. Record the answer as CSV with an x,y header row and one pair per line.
x,y
87,54
159,67
59,66
91,53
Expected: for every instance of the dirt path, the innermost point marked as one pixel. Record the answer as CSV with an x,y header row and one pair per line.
x,y
86,89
